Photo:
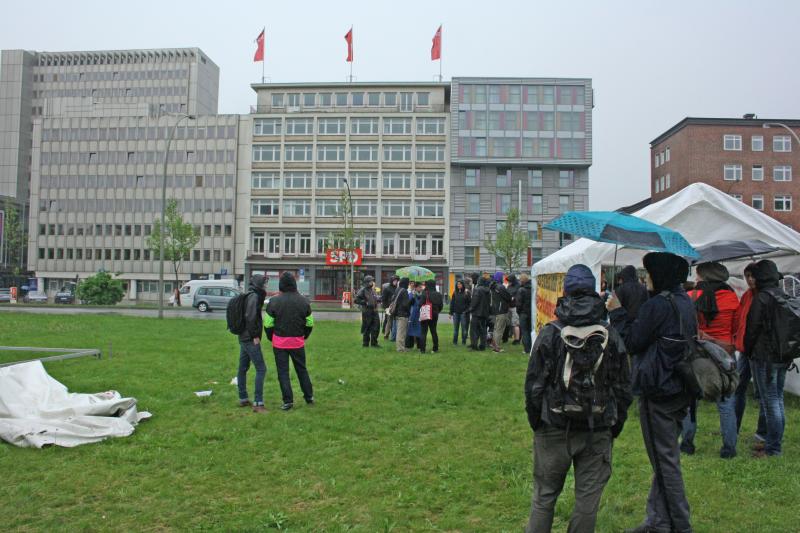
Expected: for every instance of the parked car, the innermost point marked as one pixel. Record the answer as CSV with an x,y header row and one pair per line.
x,y
65,295
190,287
209,298
35,297
5,295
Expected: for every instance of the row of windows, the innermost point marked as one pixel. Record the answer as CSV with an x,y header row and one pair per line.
x,y
92,181
148,156
338,126
780,202
115,92
502,177
356,180
125,230
350,99
503,203
522,94
113,75
396,244
662,157
527,147
336,152
125,254
663,183
301,207
780,143
516,120
137,133
133,205
779,173
473,230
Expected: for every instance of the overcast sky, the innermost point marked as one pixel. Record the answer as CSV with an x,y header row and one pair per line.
x,y
651,63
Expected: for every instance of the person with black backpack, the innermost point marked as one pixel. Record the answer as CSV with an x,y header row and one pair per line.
x,y
656,339
577,393
244,318
771,342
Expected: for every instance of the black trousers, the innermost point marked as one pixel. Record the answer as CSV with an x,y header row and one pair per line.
x,y
477,332
298,357
429,325
370,326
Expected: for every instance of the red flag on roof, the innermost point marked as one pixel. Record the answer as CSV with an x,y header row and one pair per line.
x,y
349,38
260,49
436,49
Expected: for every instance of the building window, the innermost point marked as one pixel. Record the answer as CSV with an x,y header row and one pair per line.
x,y
299,126
733,172
503,177
535,178
358,99
365,208
758,202
305,244
325,99
332,126
430,126
390,99
563,204
364,126
736,197
421,246
657,186
330,180
430,208
503,204
781,143
757,143
783,202
430,180
536,204
299,152
732,142
397,152
363,180
472,229
668,181
472,256
261,207
297,207
277,100
266,180
293,99
273,243
363,152
328,208
267,126
473,203
330,152
258,241
368,243
289,243
534,231
663,183
266,152
472,177
396,208
309,99
341,99
782,173
566,178
404,245
757,173
666,154
373,99
430,152
297,180
397,126
437,245
657,160
396,180
388,245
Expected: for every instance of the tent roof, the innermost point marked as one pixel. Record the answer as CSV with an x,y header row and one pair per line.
x,y
702,214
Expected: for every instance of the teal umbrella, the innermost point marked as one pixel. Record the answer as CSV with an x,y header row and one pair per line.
x,y
415,273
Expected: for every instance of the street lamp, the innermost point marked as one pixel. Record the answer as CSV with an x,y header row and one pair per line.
x,y
784,126
352,240
163,216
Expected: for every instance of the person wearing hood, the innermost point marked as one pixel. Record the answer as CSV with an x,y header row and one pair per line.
x,y
716,304
387,297
402,310
630,292
656,339
414,334
562,441
513,312
288,324
367,300
501,302
760,340
524,302
250,344
480,307
459,311
433,297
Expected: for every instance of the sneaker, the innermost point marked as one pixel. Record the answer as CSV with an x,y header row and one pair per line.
x,y
515,342
259,409
244,403
758,445
639,529
687,448
376,345
498,350
310,401
759,454
287,406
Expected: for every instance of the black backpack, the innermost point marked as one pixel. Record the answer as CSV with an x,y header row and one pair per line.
x,y
785,325
235,312
580,386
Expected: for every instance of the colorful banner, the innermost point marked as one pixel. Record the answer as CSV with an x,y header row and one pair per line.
x,y
549,288
339,256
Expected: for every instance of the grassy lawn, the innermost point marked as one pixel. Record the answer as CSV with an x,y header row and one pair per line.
x,y
395,443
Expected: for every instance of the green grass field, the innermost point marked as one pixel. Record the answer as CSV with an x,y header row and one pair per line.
x,y
395,443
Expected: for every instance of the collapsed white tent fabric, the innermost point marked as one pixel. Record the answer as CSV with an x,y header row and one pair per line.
x,y
36,410
702,214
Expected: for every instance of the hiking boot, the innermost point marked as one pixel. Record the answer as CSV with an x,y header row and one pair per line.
x,y
259,409
514,343
759,454
287,406
244,403
758,446
687,448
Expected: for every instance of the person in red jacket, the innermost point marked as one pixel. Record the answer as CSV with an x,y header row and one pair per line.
x,y
716,304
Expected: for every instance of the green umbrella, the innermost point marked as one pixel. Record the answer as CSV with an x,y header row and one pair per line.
x,y
415,273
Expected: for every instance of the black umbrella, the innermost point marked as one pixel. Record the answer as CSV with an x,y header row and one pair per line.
x,y
725,250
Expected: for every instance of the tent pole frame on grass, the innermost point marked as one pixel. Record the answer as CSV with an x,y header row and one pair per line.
x,y
64,353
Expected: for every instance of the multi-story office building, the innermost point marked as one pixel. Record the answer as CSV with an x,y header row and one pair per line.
x,y
749,158
96,191
523,143
387,141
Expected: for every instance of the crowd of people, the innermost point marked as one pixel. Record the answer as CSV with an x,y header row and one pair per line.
x,y
602,350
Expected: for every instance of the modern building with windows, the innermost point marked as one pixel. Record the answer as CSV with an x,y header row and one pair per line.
x,y
387,141
749,158
521,143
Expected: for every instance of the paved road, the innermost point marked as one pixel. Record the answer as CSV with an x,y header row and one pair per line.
x,y
168,313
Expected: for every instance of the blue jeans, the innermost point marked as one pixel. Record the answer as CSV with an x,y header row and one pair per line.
x,y
727,427
770,378
393,336
743,368
250,352
460,320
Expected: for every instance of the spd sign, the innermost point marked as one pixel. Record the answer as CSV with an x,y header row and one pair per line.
x,y
340,256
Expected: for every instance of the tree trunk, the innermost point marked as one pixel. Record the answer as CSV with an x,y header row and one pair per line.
x,y
177,288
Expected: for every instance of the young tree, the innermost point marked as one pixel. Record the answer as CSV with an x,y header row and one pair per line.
x,y
346,236
512,242
100,289
13,238
179,239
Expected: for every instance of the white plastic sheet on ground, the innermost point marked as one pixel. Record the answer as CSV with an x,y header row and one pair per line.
x,y
36,410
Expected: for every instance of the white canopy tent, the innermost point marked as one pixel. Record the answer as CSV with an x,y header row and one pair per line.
x,y
702,214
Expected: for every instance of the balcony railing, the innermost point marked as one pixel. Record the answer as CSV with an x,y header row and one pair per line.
x,y
266,109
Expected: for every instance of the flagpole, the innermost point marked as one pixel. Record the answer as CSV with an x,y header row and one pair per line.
x,y
440,52
353,57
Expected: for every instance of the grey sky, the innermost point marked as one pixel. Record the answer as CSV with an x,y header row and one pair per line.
x,y
652,63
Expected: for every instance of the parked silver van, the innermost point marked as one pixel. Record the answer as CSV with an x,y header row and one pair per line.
x,y
208,298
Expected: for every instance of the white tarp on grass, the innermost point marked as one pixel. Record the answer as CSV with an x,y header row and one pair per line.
x,y
36,410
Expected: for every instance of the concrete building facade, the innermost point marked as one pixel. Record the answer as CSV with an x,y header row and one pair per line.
x,y
523,143
387,141
739,156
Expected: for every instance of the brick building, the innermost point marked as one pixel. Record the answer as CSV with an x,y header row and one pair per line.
x,y
749,158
